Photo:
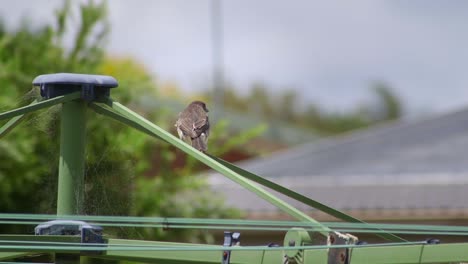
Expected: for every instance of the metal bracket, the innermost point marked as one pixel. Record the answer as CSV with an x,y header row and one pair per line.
x,y
339,255
295,237
89,234
230,239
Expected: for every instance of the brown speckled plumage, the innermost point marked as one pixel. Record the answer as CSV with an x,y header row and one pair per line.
x,y
193,125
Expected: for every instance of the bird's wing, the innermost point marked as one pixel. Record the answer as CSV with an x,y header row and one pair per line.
x,y
201,125
186,126
200,143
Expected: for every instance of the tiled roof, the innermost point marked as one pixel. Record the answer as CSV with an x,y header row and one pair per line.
x,y
401,165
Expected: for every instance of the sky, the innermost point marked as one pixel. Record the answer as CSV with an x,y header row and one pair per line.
x,y
330,52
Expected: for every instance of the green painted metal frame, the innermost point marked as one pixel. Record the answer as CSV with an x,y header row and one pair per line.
x,y
168,252
105,110
40,105
71,172
17,115
169,257
72,144
301,198
72,158
70,191
131,118
13,122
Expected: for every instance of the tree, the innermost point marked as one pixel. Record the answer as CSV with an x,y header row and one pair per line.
x,y
390,107
286,107
118,157
26,154
259,100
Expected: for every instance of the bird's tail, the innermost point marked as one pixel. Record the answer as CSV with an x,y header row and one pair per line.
x,y
200,143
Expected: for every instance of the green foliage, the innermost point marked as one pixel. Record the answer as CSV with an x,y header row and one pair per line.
x,y
29,156
286,108
127,173
221,134
391,107
178,196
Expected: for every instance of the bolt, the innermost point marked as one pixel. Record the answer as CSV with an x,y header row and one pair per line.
x,y
292,243
342,257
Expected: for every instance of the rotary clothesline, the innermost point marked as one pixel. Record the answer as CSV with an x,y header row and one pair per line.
x,y
236,224
47,245
77,92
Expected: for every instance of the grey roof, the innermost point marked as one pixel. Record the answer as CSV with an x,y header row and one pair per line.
x,y
400,165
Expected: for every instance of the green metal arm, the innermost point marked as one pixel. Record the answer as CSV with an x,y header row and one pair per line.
x,y
12,255
106,110
42,104
301,198
155,131
175,253
103,109
188,256
12,123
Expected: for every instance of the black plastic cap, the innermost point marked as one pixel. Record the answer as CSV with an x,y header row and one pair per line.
x,y
92,87
76,79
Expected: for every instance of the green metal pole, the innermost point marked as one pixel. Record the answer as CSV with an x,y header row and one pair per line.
x,y
71,164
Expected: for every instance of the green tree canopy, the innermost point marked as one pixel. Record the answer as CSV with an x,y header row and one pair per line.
x,y
127,173
287,107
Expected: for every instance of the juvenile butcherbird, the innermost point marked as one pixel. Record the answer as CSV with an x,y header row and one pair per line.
x,y
193,125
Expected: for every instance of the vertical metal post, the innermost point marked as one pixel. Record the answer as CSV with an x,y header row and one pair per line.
x,y
71,164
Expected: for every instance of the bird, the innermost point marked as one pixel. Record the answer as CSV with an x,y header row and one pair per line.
x,y
193,125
